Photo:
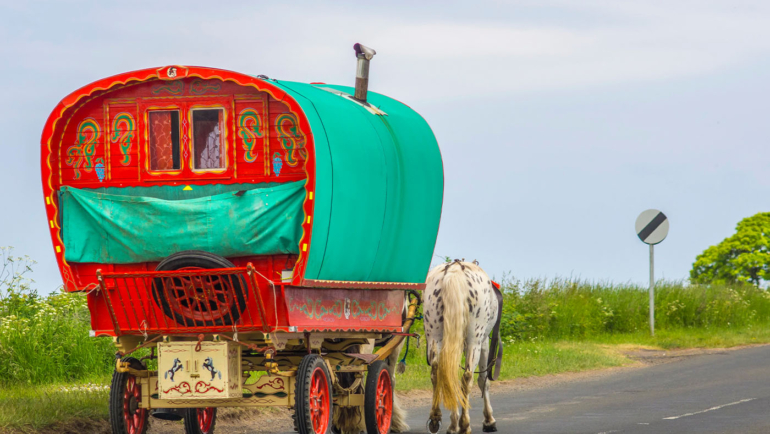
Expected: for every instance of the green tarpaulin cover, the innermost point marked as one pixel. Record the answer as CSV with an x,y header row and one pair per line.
x,y
379,187
126,228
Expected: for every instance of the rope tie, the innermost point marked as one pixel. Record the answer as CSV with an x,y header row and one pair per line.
x,y
275,301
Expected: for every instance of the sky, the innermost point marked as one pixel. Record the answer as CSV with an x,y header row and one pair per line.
x,y
558,121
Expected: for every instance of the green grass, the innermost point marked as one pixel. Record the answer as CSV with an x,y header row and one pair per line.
x,y
571,309
45,340
36,407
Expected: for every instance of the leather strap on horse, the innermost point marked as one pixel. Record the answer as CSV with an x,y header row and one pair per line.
x,y
496,348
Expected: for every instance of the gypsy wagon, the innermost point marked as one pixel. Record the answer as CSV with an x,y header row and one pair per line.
x,y
246,232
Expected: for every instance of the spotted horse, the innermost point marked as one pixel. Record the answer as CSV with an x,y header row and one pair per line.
x,y
462,308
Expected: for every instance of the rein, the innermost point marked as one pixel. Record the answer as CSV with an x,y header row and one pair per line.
x,y
494,362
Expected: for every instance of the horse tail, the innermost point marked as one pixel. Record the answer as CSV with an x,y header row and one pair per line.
x,y
455,322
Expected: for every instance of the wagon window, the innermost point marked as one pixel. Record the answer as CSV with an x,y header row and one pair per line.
x,y
208,143
164,140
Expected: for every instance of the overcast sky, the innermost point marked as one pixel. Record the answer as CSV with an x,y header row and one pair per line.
x,y
558,121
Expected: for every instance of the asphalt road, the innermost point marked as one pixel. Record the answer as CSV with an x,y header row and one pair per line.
x,y
722,392
726,392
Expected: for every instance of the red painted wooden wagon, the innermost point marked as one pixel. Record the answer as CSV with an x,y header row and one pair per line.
x,y
237,224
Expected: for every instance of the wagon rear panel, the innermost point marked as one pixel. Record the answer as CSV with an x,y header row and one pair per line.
x,y
234,300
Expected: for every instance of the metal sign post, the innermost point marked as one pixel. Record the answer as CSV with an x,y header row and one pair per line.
x,y
652,228
652,289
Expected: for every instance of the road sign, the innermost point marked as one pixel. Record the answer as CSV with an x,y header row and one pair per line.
x,y
652,226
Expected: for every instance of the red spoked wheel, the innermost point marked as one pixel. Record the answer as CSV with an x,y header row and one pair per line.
x,y
201,298
126,417
197,301
378,398
320,407
313,398
200,420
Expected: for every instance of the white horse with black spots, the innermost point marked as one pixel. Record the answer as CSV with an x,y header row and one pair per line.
x,y
460,311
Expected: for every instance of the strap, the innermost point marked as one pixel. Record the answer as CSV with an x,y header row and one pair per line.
x,y
496,347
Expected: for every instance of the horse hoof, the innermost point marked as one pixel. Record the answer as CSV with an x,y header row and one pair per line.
x,y
433,426
492,427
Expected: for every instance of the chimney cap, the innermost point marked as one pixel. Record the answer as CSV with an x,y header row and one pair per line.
x,y
362,50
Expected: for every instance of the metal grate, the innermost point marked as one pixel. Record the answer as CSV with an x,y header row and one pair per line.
x,y
189,300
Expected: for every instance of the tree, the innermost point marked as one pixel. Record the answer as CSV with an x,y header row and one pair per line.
x,y
743,257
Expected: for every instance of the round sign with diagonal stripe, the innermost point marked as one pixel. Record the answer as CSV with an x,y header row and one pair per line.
x,y
652,226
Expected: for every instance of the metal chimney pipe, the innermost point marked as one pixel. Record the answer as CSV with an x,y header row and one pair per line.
x,y
364,55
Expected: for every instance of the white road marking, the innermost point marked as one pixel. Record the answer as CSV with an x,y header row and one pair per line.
x,y
709,409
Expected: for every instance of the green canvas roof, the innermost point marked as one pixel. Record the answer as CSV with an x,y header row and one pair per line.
x,y
379,187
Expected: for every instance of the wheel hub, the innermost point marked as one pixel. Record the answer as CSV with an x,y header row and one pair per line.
x,y
133,406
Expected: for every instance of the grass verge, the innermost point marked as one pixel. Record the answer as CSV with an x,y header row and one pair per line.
x,y
690,338
32,408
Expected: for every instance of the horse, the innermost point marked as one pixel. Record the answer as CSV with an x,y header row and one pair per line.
x,y
209,364
176,367
462,308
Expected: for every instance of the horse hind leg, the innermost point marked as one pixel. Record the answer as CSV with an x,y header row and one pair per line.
x,y
471,362
350,420
398,422
454,422
460,420
489,421
464,422
434,421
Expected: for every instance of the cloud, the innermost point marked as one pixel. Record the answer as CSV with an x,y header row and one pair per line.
x,y
640,42
481,43
450,52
